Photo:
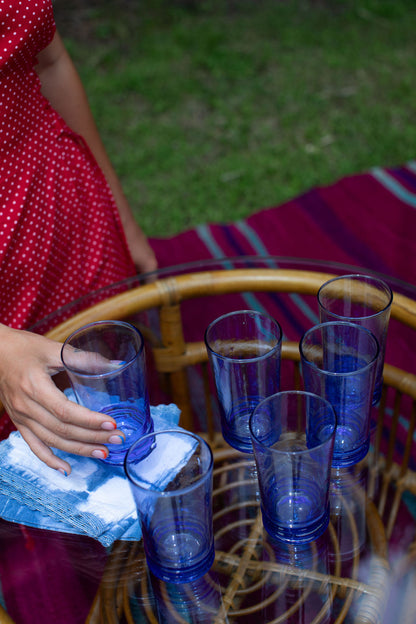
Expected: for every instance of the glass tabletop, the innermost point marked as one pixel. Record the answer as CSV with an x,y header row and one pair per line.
x,y
355,573
217,264
341,577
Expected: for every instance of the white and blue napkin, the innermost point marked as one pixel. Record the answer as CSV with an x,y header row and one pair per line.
x,y
94,500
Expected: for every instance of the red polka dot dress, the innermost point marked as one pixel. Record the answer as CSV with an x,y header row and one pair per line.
x,y
60,231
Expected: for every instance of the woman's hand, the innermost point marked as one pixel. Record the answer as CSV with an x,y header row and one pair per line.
x,y
141,252
42,413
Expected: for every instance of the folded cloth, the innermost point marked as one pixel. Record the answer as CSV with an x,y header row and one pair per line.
x,y
95,499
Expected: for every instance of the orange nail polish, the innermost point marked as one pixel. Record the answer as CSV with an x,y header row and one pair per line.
x,y
108,426
99,454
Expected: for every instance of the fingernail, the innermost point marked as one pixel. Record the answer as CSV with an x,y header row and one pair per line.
x,y
116,439
62,471
99,454
108,426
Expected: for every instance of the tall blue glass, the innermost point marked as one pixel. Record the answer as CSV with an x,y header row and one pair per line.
x,y
339,363
105,363
363,300
244,350
170,475
293,439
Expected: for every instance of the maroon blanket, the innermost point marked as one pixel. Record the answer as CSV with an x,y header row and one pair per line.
x,y
366,220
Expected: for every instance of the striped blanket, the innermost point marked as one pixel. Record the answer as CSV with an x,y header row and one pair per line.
x,y
366,220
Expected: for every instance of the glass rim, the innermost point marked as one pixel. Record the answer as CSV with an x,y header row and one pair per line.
x,y
304,393
249,360
183,490
360,328
122,367
353,277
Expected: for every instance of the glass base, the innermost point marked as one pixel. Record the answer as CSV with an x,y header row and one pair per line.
x,y
184,574
133,423
235,426
345,458
295,534
239,444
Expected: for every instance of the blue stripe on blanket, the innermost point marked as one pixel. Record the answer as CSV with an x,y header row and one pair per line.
x,y
394,186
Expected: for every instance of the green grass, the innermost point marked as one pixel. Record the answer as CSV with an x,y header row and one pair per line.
x,y
212,111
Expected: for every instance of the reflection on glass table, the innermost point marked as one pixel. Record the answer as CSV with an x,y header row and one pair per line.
x,y
340,577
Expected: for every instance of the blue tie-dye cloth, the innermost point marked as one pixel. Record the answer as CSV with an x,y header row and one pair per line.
x,y
95,499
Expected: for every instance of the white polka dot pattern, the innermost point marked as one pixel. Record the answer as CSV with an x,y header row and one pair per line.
x,y
60,232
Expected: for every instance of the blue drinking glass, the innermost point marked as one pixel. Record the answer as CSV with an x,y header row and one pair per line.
x,y
105,363
363,300
293,438
170,474
244,350
339,363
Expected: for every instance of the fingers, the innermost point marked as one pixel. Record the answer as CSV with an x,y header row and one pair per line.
x,y
77,440
141,252
44,431
44,453
42,401
88,361
47,456
69,437
63,425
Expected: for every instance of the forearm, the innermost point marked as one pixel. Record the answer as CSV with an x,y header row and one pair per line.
x,y
62,87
